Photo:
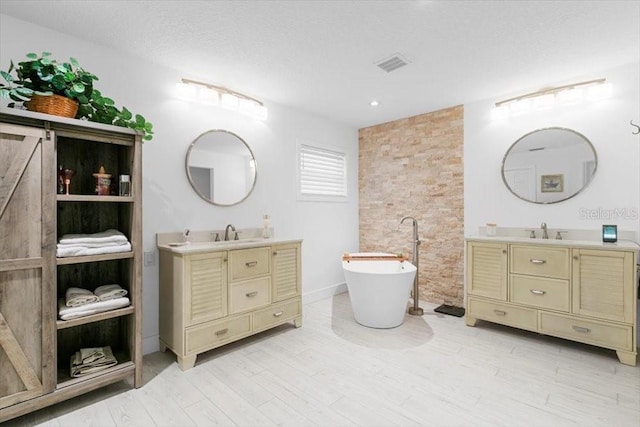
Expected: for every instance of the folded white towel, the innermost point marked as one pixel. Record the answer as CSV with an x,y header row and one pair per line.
x,y
63,251
102,237
107,292
89,245
75,297
69,313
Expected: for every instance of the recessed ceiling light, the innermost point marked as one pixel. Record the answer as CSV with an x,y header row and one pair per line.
x,y
374,103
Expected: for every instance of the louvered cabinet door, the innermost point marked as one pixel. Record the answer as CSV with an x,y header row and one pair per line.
x,y
603,284
487,270
286,271
206,290
27,241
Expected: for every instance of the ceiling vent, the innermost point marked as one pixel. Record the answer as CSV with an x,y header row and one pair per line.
x,y
392,63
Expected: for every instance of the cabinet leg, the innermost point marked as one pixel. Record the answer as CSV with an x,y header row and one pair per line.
x,y
186,362
626,357
470,321
297,322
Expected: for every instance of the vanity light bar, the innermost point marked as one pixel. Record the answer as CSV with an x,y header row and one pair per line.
x,y
225,97
551,90
549,97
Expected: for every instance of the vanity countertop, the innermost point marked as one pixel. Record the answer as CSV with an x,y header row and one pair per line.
x,y
197,247
587,244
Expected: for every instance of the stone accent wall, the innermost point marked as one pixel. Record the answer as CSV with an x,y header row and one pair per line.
x,y
414,167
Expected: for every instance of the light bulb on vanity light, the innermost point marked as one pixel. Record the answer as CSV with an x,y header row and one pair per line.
x,y
208,96
186,91
543,102
246,106
520,107
571,96
230,101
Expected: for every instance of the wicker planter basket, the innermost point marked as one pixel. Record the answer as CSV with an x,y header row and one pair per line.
x,y
54,104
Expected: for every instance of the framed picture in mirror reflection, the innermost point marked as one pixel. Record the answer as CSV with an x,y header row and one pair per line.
x,y
552,183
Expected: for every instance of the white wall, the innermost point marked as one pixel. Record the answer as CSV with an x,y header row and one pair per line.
x,y
616,184
169,203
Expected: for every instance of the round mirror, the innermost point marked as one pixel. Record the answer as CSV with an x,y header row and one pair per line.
x,y
221,167
549,165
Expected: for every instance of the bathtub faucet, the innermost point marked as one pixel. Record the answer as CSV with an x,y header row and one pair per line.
x,y
416,239
415,310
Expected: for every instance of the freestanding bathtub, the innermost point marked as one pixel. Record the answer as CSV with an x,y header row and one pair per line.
x,y
379,290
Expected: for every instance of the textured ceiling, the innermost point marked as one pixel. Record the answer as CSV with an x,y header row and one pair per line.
x,y
320,56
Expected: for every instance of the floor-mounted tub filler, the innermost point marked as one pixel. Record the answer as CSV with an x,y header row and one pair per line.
x,y
379,287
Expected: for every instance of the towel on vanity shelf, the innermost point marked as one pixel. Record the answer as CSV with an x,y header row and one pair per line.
x,y
75,297
89,245
107,292
76,250
109,236
70,313
89,360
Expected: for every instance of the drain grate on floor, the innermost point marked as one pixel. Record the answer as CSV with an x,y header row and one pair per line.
x,y
450,309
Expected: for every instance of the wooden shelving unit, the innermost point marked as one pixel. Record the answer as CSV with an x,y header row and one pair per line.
x,y
33,217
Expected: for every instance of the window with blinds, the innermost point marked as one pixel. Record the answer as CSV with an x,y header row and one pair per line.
x,y
322,173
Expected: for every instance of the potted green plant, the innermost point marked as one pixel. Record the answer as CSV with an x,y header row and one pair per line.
x,y
42,81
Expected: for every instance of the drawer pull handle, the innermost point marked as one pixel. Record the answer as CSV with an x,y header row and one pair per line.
x,y
251,294
222,331
278,314
537,291
500,312
251,264
537,261
504,251
581,329
275,252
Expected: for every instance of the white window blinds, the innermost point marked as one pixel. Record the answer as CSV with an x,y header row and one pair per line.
x,y
322,172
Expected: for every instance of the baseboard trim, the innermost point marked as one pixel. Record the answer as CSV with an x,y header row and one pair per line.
x,y
150,344
324,293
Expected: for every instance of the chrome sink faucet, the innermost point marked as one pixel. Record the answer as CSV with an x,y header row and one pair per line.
x,y
545,233
226,232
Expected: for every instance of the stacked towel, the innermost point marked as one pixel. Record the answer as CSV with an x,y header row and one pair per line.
x,y
69,313
107,292
109,236
106,242
89,360
75,297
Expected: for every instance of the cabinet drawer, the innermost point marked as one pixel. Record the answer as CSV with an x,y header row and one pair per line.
x,y
523,318
602,334
275,314
249,295
540,261
209,335
246,263
540,292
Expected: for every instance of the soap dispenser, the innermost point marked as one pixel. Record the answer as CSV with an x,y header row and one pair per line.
x,y
266,224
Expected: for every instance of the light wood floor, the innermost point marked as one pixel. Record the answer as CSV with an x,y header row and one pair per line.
x,y
432,370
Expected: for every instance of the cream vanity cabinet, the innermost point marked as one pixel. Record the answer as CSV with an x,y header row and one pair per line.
x,y
212,297
585,292
35,346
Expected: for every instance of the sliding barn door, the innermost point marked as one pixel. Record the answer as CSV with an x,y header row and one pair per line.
x,y
27,263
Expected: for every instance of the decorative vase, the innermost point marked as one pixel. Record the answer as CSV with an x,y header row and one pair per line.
x,y
56,105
